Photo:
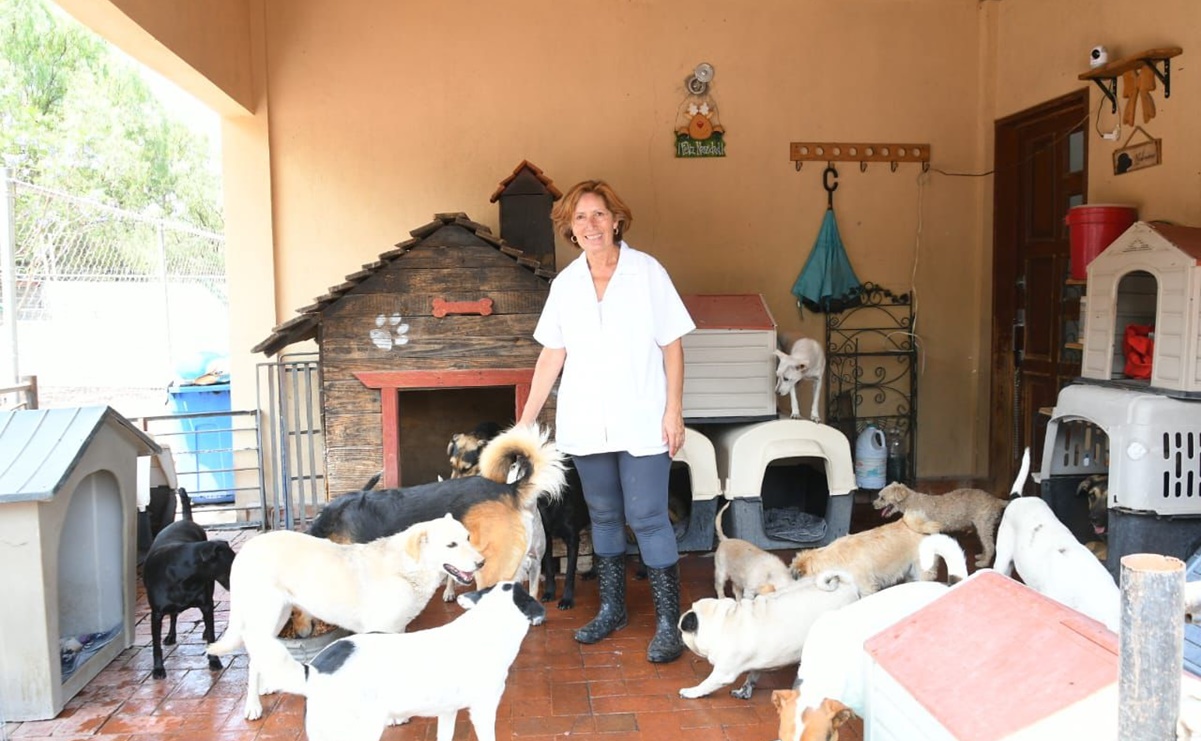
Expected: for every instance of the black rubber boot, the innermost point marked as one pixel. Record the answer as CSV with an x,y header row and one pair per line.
x,y
611,575
665,591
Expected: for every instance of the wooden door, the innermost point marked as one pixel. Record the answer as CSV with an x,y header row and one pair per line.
x,y
1040,172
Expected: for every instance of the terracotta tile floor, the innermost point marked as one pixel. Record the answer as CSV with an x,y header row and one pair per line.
x,y
557,689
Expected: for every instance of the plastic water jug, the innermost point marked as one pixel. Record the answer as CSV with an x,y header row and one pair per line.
x,y
871,458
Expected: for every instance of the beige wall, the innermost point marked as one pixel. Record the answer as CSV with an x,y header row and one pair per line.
x,y
382,114
1044,47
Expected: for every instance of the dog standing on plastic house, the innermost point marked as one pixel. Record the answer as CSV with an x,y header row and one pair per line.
x,y
805,361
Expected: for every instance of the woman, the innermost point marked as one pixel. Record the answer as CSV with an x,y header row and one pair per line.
x,y
612,324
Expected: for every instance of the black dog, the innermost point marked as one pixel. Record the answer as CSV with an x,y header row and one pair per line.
x,y
179,573
564,519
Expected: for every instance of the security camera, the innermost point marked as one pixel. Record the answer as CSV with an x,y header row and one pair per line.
x,y
1098,56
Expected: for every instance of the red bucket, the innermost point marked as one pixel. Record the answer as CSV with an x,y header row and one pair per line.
x,y
1094,227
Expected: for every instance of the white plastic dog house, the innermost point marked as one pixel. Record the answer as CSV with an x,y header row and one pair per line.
x,y
729,360
698,460
1038,670
786,475
68,542
1148,275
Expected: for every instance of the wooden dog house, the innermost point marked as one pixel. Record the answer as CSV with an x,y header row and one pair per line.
x,y
68,541
1151,274
432,338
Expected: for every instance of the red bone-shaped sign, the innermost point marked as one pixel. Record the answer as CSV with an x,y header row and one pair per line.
x,y
483,307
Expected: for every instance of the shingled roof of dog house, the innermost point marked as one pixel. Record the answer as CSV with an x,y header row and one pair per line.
x,y
454,307
993,659
68,514
1151,274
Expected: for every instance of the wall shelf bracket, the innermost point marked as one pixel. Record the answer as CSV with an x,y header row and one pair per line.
x,y
1106,76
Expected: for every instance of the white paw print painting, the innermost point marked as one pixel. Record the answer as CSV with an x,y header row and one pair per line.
x,y
389,332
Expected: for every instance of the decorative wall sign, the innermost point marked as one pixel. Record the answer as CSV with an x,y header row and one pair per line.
x,y
1137,156
699,132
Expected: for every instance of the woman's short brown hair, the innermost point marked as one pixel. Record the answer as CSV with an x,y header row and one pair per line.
x,y
564,210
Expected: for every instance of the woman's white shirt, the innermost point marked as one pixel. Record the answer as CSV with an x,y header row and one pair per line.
x,y
613,391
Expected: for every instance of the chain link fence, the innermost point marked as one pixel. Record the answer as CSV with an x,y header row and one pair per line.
x,y
109,303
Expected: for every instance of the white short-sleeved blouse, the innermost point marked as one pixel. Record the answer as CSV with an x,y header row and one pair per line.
x,y
613,390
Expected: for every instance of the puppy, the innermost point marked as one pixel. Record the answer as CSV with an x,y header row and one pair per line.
x,y
464,449
565,518
1096,489
956,510
179,572
750,569
805,361
832,680
517,468
379,586
880,557
358,684
768,632
1050,560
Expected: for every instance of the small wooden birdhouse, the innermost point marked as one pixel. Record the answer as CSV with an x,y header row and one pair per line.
x,y
526,198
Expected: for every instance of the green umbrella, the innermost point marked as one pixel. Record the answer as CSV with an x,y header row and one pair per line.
x,y
828,282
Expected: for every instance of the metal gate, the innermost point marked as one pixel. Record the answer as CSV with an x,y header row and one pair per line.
x,y
289,389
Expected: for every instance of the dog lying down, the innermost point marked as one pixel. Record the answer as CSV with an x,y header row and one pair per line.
x,y
768,632
357,685
749,569
378,586
1050,560
833,674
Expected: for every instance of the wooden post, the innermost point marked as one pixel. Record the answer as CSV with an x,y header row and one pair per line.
x,y
1150,646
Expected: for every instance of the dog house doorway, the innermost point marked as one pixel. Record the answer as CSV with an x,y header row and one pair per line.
x,y
1135,305
420,410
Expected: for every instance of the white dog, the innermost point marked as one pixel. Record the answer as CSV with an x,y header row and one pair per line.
x,y
768,632
805,361
358,684
1051,561
377,586
749,569
832,677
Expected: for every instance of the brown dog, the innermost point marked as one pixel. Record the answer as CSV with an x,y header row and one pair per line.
x,y
880,557
464,449
956,511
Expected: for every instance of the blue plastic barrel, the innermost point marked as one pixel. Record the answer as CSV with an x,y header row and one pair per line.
x,y
202,448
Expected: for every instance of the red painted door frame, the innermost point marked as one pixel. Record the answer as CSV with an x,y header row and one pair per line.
x,y
391,383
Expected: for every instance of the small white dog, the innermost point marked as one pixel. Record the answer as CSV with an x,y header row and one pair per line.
x,y
357,685
805,361
749,569
376,586
1051,561
768,632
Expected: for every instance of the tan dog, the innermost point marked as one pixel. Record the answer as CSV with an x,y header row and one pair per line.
x,y
464,449
880,557
378,586
749,569
956,511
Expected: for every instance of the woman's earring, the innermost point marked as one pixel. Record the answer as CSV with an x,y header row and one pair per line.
x,y
617,229
573,240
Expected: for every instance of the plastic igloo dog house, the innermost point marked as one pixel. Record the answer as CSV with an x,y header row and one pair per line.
x,y
790,482
1148,275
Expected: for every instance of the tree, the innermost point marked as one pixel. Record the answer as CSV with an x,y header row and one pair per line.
x,y
77,116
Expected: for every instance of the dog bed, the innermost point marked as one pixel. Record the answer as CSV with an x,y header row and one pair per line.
x,y
790,523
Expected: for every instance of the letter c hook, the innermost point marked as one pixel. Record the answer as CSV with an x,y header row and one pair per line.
x,y
830,188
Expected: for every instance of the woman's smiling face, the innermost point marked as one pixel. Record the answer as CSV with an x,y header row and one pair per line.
x,y
592,224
